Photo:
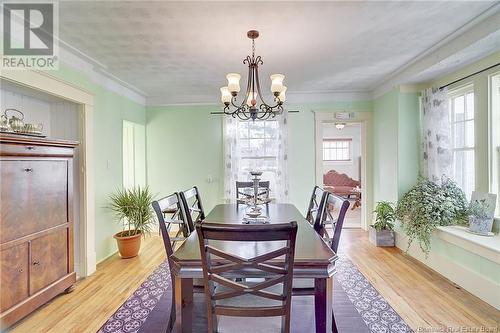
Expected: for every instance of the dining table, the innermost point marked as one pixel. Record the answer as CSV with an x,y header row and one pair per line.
x,y
313,260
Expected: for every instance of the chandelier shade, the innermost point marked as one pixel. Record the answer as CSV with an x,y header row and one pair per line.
x,y
252,105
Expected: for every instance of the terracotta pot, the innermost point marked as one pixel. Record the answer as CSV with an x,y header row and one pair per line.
x,y
128,246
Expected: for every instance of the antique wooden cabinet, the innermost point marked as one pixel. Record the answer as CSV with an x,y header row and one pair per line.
x,y
36,223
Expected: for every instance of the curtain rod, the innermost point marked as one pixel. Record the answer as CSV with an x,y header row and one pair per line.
x,y
468,76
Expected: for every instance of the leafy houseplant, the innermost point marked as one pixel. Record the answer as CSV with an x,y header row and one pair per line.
x,y
132,208
428,205
381,232
480,219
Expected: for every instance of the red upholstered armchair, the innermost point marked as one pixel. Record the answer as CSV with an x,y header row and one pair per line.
x,y
339,183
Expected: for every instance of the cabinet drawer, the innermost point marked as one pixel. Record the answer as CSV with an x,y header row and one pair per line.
x,y
34,196
10,149
49,259
14,276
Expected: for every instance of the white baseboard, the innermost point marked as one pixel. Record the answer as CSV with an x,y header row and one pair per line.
x,y
476,284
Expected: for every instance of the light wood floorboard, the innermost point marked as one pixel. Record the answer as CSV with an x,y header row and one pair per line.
x,y
422,297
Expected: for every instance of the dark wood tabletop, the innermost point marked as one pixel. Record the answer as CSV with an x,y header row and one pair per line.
x,y
313,257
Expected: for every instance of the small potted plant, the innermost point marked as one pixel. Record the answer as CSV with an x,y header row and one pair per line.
x,y
132,208
480,217
381,233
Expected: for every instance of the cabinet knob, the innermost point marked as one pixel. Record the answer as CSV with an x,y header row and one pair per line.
x,y
20,270
36,262
28,169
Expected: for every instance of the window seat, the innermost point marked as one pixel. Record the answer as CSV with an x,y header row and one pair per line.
x,y
487,247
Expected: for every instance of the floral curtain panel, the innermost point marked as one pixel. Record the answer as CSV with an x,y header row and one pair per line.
x,y
436,135
259,145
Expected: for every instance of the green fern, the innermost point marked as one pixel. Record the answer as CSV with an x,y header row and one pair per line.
x,y
132,208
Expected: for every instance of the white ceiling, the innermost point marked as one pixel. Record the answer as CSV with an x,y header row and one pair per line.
x,y
179,52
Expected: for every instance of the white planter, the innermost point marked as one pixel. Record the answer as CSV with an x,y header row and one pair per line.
x,y
480,226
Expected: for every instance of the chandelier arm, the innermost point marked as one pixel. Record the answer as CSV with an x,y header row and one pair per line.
x,y
258,85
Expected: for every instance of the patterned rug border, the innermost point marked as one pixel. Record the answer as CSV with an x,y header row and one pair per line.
x,y
376,313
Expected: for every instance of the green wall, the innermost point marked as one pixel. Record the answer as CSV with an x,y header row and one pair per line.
x,y
385,147
110,109
184,148
395,144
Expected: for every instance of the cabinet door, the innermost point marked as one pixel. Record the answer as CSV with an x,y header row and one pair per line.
x,y
14,275
34,196
49,259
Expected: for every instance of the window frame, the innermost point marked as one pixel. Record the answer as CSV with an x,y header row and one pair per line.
x,y
349,149
452,95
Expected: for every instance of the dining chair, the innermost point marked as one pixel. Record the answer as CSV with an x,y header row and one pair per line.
x,y
242,196
176,217
160,206
317,197
331,210
191,200
266,297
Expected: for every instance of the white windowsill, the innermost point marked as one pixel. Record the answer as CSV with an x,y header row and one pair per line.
x,y
487,247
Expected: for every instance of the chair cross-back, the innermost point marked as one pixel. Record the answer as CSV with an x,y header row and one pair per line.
x,y
191,199
222,268
242,196
171,205
332,210
315,204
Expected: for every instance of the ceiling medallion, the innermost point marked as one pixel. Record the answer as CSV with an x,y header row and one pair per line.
x,y
248,108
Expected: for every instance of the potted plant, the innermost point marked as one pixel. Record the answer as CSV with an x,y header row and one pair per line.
x,y
429,205
381,233
132,208
480,217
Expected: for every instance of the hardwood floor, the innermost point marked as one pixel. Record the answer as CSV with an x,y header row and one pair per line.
x,y
423,298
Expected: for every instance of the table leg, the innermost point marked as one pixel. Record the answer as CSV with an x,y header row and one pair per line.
x,y
183,305
323,293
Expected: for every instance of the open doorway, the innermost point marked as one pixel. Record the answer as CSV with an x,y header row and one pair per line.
x,y
341,166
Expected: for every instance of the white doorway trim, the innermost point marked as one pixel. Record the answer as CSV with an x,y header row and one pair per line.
x,y
51,85
365,119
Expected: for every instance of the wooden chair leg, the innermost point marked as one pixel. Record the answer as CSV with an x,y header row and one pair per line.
x,y
334,324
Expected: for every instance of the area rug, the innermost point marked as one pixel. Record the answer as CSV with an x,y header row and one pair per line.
x,y
357,305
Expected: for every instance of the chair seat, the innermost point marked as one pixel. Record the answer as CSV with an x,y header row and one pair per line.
x,y
228,324
198,283
303,283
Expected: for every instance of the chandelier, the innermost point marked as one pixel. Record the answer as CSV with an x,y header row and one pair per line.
x,y
248,108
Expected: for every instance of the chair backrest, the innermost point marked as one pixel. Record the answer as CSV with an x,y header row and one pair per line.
x,y
332,211
240,186
193,207
317,197
218,265
162,205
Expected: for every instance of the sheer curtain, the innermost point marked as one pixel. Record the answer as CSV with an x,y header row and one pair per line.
x,y
259,145
436,135
232,156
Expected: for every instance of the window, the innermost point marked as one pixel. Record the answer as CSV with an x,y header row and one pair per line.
x,y
338,150
495,139
462,134
258,141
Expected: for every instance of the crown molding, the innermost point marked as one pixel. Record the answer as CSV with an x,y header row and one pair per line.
x,y
478,28
98,74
